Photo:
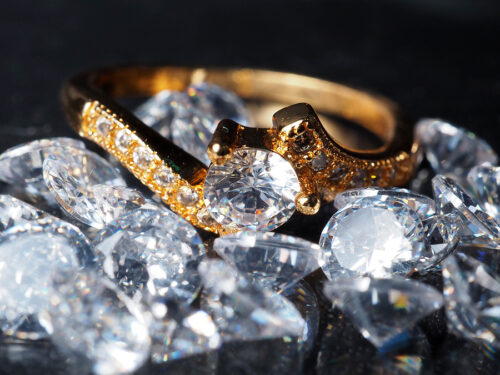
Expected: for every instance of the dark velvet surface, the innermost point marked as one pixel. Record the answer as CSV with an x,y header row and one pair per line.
x,y
436,58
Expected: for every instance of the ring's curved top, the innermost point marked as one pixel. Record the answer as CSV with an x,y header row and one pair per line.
x,y
178,177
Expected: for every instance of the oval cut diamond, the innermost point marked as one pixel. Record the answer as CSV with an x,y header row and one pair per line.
x,y
374,237
255,190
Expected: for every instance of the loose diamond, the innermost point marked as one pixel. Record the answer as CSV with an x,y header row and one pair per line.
x,y
142,157
476,226
219,103
103,126
22,165
472,293
152,252
254,190
383,308
452,150
179,334
123,141
274,260
245,311
88,316
14,212
375,237
485,183
187,196
31,252
73,177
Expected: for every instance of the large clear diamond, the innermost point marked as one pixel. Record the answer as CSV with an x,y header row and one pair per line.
x,y
90,317
275,260
381,309
177,333
472,293
485,183
452,150
246,311
476,226
22,165
255,190
379,237
31,252
152,252
14,212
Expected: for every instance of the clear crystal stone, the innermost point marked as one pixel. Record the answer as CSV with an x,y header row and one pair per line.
x,y
319,162
14,212
245,311
452,150
485,183
31,252
164,176
90,317
142,157
78,178
274,260
103,126
255,190
22,165
123,141
379,237
177,334
156,112
187,196
472,293
475,225
152,252
383,308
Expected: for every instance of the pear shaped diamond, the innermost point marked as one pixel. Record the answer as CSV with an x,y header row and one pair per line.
x,y
452,150
476,226
152,252
275,260
246,311
472,293
383,308
90,317
485,183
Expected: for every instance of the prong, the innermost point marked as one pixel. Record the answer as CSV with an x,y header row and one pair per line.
x,y
308,204
223,142
291,117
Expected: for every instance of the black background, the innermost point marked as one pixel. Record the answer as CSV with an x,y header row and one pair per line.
x,y
436,58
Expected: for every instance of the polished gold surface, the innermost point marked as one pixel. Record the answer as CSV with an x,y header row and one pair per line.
x,y
323,165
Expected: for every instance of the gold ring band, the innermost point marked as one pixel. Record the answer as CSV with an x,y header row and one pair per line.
x,y
88,100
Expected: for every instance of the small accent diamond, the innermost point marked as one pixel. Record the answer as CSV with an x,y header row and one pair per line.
x,y
142,157
123,141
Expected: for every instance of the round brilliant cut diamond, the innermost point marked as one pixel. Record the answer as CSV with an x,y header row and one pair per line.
x,y
123,141
255,190
142,157
103,126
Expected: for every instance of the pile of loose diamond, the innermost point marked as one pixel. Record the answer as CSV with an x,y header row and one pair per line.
x,y
98,277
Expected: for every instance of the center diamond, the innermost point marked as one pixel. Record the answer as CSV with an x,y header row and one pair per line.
x,y
254,190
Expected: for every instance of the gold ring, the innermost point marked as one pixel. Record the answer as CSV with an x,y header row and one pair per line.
x,y
298,133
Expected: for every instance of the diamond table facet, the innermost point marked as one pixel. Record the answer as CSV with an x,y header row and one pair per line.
x,y
274,260
254,190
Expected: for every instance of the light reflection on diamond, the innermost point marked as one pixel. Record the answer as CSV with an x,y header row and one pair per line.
x,y
485,183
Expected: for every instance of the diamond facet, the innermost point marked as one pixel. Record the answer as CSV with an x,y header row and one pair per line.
x,y
90,317
246,311
452,150
14,212
274,260
31,252
123,141
485,183
472,293
476,226
383,308
255,190
154,253
375,237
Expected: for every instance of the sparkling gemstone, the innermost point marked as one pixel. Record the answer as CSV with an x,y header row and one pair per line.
x,y
485,183
31,252
123,141
379,237
142,157
319,162
274,260
177,334
472,293
14,212
103,126
383,308
22,165
246,311
219,103
90,317
187,196
164,176
152,252
254,190
81,183
358,178
475,225
452,150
